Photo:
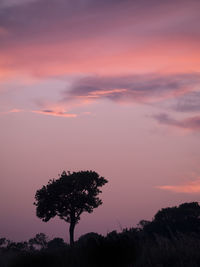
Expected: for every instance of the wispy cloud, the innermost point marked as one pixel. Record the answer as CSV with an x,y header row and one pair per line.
x,y
55,113
104,93
147,88
130,89
187,187
14,110
191,123
188,103
51,112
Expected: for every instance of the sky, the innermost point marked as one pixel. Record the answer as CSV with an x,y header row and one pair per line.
x,y
111,86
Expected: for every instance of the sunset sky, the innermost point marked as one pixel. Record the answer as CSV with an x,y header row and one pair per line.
x,y
106,85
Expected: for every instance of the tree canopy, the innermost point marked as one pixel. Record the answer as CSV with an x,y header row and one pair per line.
x,y
183,219
69,196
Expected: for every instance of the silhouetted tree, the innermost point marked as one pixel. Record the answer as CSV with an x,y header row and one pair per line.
x,y
184,219
69,196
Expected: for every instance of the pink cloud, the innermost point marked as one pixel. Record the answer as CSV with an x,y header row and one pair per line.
x,y
105,92
62,58
146,88
51,112
188,187
144,38
100,94
14,110
55,113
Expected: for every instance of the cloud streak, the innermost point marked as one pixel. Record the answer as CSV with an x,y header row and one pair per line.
x,y
14,110
147,88
190,187
191,123
55,113
49,112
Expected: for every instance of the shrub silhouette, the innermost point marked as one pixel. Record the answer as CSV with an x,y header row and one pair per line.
x,y
69,196
56,243
116,249
169,221
39,241
175,242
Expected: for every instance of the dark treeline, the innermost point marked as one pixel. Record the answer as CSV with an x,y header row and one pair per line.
x,y
172,238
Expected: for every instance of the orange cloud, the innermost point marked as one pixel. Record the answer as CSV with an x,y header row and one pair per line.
x,y
43,60
15,110
55,113
188,187
50,112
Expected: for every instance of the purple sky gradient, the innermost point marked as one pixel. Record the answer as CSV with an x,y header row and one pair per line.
x,y
109,86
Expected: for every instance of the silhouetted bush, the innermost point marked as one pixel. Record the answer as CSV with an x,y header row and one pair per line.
x,y
171,239
171,221
56,243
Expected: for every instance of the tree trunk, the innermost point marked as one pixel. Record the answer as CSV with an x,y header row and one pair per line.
x,y
71,233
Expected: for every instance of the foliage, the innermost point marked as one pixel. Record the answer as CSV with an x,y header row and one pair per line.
x,y
40,241
56,243
169,221
69,196
72,192
131,247
4,242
